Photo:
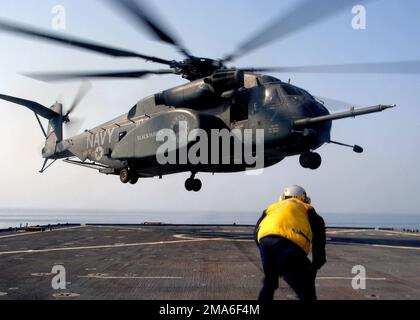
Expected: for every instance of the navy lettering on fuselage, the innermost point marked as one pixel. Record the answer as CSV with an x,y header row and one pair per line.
x,y
99,138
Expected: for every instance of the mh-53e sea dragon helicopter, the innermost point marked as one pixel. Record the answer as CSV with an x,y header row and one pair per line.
x,y
217,97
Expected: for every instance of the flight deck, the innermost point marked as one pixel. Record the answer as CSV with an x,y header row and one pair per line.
x,y
216,262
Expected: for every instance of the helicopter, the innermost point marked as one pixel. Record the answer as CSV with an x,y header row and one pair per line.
x,y
217,96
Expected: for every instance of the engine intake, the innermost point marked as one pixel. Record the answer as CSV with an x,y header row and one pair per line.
x,y
226,80
204,93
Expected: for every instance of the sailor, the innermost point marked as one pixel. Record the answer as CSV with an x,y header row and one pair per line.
x,y
284,235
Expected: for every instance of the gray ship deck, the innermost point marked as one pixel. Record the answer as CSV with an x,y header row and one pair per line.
x,y
194,262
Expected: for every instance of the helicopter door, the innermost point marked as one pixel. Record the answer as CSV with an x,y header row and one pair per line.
x,y
239,110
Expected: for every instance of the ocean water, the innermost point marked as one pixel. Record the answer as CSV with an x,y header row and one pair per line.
x,y
17,217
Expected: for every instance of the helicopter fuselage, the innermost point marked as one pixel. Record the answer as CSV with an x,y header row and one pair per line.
x,y
263,103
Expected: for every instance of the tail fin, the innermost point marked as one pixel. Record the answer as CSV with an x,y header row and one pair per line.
x,y
55,128
54,135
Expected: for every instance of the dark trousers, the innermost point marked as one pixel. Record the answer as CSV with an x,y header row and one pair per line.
x,y
283,258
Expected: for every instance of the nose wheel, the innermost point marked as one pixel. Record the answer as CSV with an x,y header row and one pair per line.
x,y
192,184
310,160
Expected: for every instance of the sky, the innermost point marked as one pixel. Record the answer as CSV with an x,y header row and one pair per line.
x,y
384,179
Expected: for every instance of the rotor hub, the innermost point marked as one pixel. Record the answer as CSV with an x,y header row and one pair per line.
x,y
196,68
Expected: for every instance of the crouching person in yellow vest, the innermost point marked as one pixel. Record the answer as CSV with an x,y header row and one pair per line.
x,y
284,235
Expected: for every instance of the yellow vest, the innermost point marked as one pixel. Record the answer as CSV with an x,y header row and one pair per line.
x,y
289,219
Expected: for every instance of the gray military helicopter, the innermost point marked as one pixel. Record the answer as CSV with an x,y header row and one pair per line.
x,y
216,97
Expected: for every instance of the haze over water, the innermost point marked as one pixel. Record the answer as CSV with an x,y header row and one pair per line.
x,y
15,218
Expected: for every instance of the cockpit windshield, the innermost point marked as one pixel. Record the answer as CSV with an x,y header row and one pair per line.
x,y
272,95
290,90
278,93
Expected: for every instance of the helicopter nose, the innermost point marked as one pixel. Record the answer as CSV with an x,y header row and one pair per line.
x,y
316,134
323,108
314,109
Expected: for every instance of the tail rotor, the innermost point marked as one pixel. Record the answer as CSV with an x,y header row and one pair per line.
x,y
74,124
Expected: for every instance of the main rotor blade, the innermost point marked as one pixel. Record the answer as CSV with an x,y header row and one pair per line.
x,y
73,42
49,77
306,14
397,67
143,15
84,89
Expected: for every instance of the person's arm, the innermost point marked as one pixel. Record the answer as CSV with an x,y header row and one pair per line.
x,y
257,226
318,240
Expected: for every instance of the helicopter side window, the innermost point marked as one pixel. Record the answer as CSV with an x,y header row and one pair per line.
x,y
132,112
121,135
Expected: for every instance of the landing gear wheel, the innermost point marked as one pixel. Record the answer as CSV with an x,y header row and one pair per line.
x,y
189,184
316,161
124,176
134,179
192,184
310,160
197,185
304,159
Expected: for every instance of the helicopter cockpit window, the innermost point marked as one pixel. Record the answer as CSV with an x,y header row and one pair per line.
x,y
272,96
268,80
132,112
292,91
